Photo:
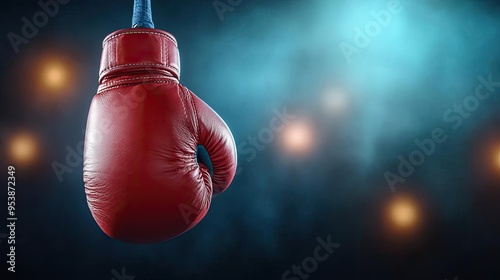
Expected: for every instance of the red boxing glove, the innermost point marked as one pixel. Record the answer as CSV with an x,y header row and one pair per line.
x,y
154,152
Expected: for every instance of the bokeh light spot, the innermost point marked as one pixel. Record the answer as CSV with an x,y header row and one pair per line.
x,y
298,138
23,148
403,213
335,101
498,158
55,76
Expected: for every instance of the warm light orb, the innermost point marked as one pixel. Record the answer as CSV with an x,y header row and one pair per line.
x,y
23,148
55,76
298,137
403,213
498,158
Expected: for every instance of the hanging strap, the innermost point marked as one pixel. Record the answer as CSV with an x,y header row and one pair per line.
x,y
142,17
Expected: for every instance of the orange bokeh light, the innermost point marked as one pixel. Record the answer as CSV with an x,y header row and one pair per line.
x,y
54,77
298,137
485,158
23,148
403,213
498,158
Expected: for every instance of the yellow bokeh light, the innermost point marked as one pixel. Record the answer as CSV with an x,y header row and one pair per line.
x,y
298,137
55,76
498,158
403,213
23,148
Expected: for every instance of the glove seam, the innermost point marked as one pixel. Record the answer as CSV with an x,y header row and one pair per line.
x,y
186,97
110,83
161,51
140,32
132,84
182,102
196,124
139,64
117,82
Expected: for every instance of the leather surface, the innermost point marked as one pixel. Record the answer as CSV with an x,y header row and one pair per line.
x,y
142,179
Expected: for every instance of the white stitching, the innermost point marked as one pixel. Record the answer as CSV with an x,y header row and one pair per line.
x,y
108,51
115,54
132,84
131,79
140,32
195,123
161,52
182,101
168,56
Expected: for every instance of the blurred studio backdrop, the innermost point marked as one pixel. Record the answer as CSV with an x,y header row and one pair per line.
x,y
372,125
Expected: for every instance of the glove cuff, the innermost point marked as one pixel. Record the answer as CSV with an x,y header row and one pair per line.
x,y
139,49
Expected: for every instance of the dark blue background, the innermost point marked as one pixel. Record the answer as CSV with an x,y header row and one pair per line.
x,y
269,55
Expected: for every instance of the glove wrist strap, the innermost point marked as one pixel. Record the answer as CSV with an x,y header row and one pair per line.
x,y
139,49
